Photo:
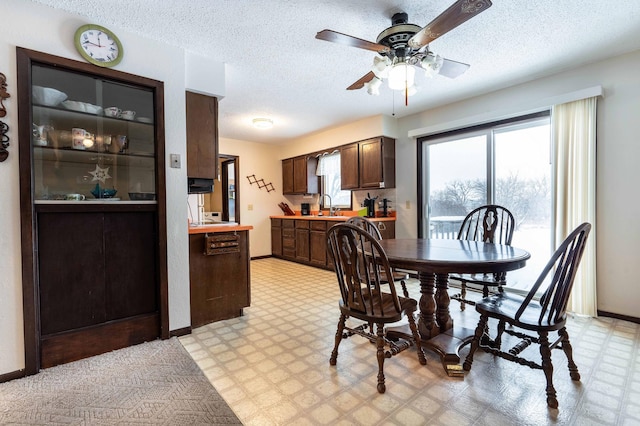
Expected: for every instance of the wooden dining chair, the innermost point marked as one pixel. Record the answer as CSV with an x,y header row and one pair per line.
x,y
371,228
488,224
358,257
526,315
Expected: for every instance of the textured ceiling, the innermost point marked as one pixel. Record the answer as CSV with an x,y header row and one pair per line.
x,y
276,68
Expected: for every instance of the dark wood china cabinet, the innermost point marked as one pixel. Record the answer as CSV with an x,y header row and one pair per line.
x,y
92,200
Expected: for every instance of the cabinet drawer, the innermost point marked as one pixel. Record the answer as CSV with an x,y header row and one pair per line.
x,y
276,222
288,233
288,223
221,244
302,224
318,225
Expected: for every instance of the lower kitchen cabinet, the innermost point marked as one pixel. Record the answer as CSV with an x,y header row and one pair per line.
x,y
302,240
288,239
305,241
318,243
219,276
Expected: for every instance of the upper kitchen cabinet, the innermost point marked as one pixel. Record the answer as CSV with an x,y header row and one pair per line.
x,y
202,136
368,164
349,166
93,209
299,175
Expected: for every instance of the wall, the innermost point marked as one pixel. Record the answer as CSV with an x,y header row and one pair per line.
x,y
54,35
256,205
618,207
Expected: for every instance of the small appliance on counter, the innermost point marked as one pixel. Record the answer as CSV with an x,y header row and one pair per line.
x,y
305,209
370,204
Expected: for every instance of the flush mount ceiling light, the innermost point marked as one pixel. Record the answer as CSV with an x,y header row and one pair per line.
x,y
262,123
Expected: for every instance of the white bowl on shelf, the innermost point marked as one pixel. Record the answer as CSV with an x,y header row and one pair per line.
x,y
93,109
47,96
74,105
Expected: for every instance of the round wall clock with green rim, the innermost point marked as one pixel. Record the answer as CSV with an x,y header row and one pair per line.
x,y
98,45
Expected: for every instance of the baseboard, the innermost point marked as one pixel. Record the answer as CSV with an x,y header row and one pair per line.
x,y
261,257
180,332
6,377
618,316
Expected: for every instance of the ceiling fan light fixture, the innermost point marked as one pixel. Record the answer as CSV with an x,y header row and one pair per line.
x,y
381,66
401,76
262,123
373,86
432,64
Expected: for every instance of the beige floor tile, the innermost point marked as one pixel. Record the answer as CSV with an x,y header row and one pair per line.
x,y
272,367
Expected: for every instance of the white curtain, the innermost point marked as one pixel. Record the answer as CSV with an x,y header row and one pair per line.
x,y
329,164
574,138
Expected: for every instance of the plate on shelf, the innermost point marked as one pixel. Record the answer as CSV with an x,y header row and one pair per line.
x,y
103,199
144,120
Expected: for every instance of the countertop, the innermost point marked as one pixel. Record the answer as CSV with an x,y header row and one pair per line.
x,y
213,227
332,218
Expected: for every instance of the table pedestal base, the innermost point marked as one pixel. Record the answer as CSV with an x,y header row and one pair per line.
x,y
447,344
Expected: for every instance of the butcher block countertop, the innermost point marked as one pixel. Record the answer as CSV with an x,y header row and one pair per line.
x,y
217,227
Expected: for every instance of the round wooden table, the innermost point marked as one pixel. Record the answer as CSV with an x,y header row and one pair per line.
x,y
434,260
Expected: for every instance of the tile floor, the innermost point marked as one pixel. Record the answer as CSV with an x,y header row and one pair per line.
x,y
272,367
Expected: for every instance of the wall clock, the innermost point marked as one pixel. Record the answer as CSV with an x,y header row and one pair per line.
x,y
98,45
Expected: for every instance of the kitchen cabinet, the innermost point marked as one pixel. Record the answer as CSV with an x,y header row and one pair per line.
x,y
299,175
219,276
276,237
302,240
288,239
318,243
92,198
349,166
368,164
202,136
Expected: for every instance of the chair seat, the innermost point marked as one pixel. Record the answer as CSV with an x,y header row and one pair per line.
x,y
389,314
504,306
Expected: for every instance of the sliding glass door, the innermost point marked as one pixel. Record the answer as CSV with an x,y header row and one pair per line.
x,y
506,163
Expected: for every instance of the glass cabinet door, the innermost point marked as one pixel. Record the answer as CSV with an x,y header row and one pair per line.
x,y
93,139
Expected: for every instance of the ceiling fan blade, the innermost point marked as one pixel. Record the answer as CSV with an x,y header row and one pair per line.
x,y
453,69
360,83
336,37
458,13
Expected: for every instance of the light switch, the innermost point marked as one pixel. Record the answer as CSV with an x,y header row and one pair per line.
x,y
250,207
408,205
175,161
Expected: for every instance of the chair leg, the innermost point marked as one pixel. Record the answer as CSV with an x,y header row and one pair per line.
x,y
568,351
475,343
404,289
463,295
338,339
380,355
547,367
416,338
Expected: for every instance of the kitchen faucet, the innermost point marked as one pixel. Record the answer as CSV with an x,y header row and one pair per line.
x,y
331,211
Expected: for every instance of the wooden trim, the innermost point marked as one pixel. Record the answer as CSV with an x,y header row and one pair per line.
x,y
181,332
619,316
262,257
97,340
12,376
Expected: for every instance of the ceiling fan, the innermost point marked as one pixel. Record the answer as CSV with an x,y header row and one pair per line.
x,y
403,46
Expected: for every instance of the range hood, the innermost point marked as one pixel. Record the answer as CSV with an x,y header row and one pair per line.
x,y
199,185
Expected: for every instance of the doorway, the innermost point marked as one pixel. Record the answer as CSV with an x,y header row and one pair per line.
x,y
224,201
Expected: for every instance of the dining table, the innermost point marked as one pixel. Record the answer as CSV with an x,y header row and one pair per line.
x,y
434,260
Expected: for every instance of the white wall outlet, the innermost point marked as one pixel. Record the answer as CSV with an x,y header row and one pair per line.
x,y
175,161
